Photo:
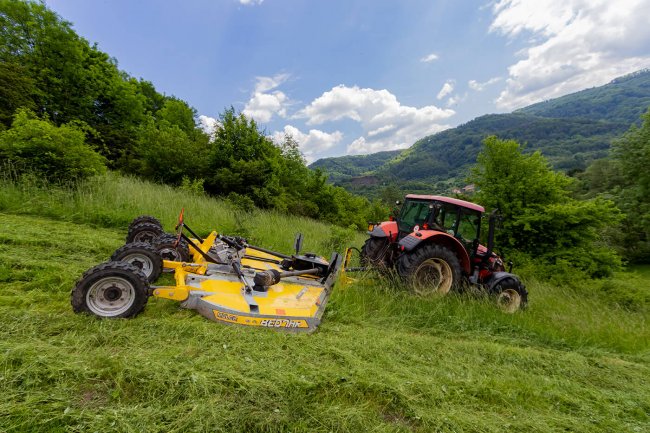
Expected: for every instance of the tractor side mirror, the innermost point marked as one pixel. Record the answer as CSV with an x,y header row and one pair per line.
x,y
297,243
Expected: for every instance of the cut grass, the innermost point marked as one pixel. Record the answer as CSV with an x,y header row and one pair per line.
x,y
383,360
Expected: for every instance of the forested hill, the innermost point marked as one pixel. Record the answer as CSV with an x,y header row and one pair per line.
x,y
570,131
345,167
622,100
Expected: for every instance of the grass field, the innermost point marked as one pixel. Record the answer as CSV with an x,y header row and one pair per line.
x,y
383,360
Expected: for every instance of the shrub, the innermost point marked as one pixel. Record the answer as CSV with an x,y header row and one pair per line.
x,y
55,154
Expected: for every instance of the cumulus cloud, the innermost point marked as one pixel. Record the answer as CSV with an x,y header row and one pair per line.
x,y
209,125
387,124
572,44
266,101
447,88
250,2
429,58
313,143
479,87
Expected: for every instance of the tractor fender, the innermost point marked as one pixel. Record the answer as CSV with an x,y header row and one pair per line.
x,y
497,277
422,237
387,229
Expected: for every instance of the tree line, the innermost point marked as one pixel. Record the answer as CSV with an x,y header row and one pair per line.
x,y
68,112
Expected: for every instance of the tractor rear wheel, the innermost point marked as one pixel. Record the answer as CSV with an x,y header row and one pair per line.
x,y
166,247
141,255
430,269
111,290
511,295
145,219
143,232
376,253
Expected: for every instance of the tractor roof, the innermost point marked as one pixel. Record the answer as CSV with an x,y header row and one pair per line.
x,y
454,201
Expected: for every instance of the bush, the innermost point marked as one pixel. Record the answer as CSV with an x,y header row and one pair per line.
x,y
626,294
55,154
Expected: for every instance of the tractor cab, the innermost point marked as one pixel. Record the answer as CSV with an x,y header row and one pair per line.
x,y
458,218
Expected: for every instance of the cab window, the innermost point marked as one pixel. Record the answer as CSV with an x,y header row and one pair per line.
x,y
468,225
413,212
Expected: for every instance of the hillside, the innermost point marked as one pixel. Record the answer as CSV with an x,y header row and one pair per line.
x,y
345,167
383,360
570,131
622,100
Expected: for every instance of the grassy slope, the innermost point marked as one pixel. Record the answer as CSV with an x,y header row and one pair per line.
x,y
383,360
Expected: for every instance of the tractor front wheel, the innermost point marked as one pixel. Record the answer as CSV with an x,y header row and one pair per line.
x,y
141,255
511,295
111,290
376,253
430,269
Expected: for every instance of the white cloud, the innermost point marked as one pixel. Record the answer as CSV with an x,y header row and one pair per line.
x,y
479,87
250,2
447,88
387,124
571,45
265,102
313,143
429,58
209,125
456,99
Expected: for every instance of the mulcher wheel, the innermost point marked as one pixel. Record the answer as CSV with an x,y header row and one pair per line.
x,y
145,219
376,253
431,269
143,232
511,295
141,255
111,290
165,245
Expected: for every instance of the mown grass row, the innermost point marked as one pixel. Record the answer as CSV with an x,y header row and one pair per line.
x,y
383,359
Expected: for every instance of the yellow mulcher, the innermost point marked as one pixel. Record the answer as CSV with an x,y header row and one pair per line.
x,y
222,277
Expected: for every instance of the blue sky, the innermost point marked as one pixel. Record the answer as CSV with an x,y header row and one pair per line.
x,y
360,76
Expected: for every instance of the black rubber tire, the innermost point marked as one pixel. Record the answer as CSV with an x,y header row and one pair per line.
x,y
143,232
145,219
411,266
141,255
165,246
376,253
501,289
121,275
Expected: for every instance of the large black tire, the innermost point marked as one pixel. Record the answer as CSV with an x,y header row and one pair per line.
x,y
166,247
511,295
143,232
430,269
376,253
145,219
111,290
141,255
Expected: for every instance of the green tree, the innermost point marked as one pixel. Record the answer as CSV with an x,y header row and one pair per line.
x,y
56,154
540,217
632,154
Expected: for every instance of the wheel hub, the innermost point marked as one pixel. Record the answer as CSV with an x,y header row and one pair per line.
x,y
141,262
509,300
433,276
144,236
110,296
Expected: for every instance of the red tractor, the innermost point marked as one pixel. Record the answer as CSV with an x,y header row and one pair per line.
x,y
434,245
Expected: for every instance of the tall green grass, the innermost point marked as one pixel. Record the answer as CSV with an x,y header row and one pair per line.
x,y
113,201
383,359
